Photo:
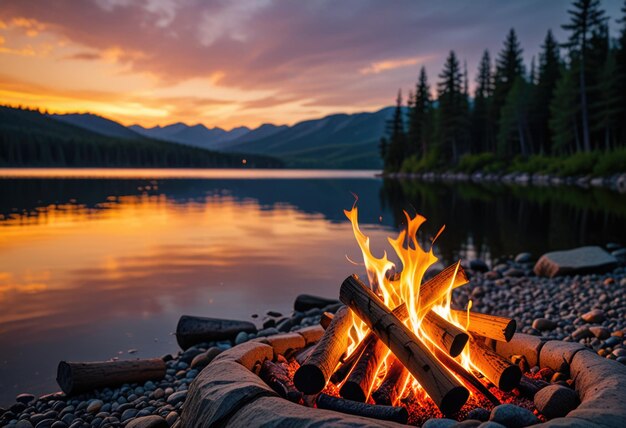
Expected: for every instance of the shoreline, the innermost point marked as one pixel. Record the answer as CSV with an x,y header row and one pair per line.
x,y
616,182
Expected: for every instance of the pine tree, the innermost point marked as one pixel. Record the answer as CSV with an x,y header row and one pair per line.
x,y
548,75
509,66
608,107
420,115
564,110
452,110
483,135
396,149
586,16
514,131
620,64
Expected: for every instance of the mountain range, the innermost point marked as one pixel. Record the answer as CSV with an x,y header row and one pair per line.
x,y
335,141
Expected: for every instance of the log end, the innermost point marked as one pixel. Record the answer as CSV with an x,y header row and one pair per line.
x,y
352,391
64,377
509,330
510,378
454,400
458,344
309,379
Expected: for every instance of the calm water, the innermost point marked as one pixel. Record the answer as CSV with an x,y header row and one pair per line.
x,y
98,263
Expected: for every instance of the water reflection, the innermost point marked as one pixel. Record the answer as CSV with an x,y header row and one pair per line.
x,y
90,267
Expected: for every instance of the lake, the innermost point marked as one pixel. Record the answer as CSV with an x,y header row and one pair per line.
x,y
94,263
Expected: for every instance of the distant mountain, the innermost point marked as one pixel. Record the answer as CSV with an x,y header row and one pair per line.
x,y
196,135
263,131
98,124
32,139
336,141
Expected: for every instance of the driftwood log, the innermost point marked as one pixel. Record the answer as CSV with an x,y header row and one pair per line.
x,y
491,326
359,384
75,378
304,302
193,330
501,372
386,413
393,384
313,375
444,389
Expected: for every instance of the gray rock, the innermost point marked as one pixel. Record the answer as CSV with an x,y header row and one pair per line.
x,y
177,397
513,273
578,260
513,416
593,317
202,360
491,424
544,324
524,258
479,413
241,337
25,398
439,423
267,332
468,423
24,423
46,423
152,421
158,393
128,414
555,401
94,406
59,424
478,265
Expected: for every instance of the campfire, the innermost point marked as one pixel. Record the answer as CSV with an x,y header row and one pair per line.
x,y
398,339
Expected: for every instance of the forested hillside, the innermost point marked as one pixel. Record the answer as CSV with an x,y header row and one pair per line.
x,y
29,138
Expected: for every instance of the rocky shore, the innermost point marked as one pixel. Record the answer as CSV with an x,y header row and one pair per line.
x,y
587,308
615,182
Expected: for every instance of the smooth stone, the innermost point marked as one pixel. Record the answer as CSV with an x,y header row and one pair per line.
x,y
202,360
612,341
491,424
152,421
439,423
594,317
46,423
158,393
304,302
189,355
513,416
241,337
513,273
468,423
544,324
478,265
578,260
25,398
177,397
555,401
479,413
523,258
600,332
274,314
94,406
267,332
171,418
582,333
24,423
620,352
59,424
128,414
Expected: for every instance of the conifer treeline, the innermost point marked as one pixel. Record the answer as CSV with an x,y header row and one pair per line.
x,y
571,100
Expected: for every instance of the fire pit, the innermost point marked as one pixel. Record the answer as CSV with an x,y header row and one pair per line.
x,y
397,352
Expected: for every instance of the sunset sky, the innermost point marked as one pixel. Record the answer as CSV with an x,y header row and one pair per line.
x,y
245,62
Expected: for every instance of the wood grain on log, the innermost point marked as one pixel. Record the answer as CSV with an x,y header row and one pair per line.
x,y
277,378
444,389
193,330
361,379
445,334
491,326
344,369
74,378
390,390
313,375
501,372
386,413
325,319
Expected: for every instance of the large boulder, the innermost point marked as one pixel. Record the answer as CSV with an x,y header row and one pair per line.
x,y
578,260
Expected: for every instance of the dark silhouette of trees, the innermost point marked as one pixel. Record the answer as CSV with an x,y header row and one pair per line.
x,y
483,132
420,111
453,121
396,147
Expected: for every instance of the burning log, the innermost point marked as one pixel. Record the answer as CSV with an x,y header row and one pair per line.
x,y
74,378
435,288
476,384
361,379
313,375
446,335
304,353
277,378
343,370
193,330
390,390
491,326
385,413
444,389
497,369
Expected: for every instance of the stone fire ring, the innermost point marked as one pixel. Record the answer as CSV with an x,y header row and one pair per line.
x,y
228,393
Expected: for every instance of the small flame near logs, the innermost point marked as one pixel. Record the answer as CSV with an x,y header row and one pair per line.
x,y
401,343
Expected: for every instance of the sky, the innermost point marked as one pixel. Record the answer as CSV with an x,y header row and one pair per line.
x,y
230,63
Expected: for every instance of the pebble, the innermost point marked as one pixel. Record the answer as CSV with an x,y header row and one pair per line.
x,y
128,413
544,324
439,423
241,337
274,314
524,258
479,413
468,423
177,397
513,416
594,317
600,332
478,265
24,424
24,398
582,333
94,406
555,401
514,273
491,424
